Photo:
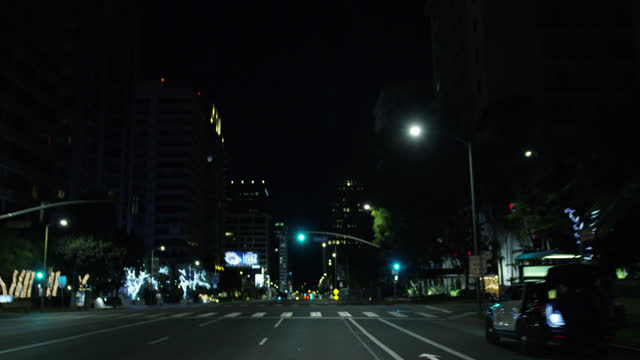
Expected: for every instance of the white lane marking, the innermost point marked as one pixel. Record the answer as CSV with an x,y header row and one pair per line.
x,y
430,342
181,314
234,314
206,314
462,315
158,314
157,341
316,314
278,323
259,314
376,341
210,322
286,314
361,342
370,314
438,309
263,341
425,315
397,314
76,336
130,316
344,314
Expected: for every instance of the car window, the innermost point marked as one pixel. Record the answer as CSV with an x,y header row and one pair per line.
x,y
513,293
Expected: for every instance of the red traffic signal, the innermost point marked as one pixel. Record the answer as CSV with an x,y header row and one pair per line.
x,y
455,254
511,206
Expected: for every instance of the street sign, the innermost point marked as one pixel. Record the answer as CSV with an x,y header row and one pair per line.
x,y
62,281
476,267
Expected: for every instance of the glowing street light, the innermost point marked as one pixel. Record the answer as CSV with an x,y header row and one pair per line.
x,y
197,263
63,222
162,248
367,207
324,244
415,131
334,254
528,153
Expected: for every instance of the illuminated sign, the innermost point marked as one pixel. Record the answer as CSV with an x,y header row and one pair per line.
x,y
239,258
259,280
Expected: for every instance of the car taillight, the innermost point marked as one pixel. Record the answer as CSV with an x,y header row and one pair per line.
x,y
539,309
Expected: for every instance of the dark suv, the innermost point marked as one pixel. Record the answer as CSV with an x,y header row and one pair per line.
x,y
530,313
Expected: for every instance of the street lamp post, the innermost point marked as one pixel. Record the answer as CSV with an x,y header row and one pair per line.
x,y
63,222
415,131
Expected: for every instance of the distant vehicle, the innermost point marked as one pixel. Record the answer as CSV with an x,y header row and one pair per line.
x,y
529,312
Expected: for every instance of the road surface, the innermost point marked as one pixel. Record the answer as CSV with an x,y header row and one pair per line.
x,y
258,331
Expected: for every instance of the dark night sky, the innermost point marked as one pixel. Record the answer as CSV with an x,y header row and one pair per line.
x,y
295,84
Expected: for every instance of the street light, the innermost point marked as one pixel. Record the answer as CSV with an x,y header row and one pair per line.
x,y
324,245
334,254
197,263
415,130
367,207
63,222
162,248
528,153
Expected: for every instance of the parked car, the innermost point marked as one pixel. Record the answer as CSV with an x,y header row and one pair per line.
x,y
530,313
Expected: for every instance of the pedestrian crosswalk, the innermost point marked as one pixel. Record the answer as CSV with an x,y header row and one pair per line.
x,y
297,313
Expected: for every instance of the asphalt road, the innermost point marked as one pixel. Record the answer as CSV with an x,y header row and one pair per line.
x,y
258,331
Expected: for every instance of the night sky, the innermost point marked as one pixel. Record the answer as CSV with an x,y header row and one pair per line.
x,y
296,85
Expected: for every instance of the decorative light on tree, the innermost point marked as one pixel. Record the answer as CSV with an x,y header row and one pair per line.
x,y
191,278
577,225
132,282
163,270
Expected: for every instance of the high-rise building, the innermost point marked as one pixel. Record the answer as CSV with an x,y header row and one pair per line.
x,y
348,214
281,254
172,145
248,222
534,61
67,93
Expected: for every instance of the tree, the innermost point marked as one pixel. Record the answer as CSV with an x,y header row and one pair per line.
x,y
92,254
382,229
19,250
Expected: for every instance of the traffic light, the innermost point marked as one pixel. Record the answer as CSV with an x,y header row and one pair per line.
x,y
300,237
396,266
40,275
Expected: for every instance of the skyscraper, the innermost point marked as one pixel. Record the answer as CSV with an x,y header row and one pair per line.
x,y
248,222
171,150
281,253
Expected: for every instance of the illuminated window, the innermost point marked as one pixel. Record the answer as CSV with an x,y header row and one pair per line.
x,y
253,182
228,234
348,183
241,181
209,158
232,181
346,209
61,194
69,140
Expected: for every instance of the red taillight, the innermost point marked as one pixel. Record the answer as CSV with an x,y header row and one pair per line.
x,y
607,337
558,336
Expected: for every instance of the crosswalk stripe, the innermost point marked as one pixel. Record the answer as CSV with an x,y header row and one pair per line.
x,y
425,315
344,314
437,309
157,314
316,314
233,314
130,316
258,314
206,314
286,314
370,314
181,314
397,314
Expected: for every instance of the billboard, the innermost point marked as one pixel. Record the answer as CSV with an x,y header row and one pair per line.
x,y
240,258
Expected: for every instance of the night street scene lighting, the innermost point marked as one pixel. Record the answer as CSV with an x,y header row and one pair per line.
x,y
412,179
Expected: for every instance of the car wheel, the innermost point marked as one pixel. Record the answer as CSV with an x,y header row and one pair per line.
x,y
529,345
490,332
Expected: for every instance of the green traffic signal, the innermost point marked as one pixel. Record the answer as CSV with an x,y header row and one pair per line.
x,y
39,275
396,266
301,237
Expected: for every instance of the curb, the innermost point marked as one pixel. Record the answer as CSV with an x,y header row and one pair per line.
x,y
626,347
